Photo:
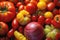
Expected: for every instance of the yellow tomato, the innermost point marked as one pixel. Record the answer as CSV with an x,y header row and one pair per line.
x,y
48,14
41,5
23,17
19,36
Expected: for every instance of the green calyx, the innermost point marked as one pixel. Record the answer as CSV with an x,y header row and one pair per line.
x,y
0,27
3,9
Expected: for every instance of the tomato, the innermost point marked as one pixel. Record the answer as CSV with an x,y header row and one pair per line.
x,y
10,33
13,1
48,21
34,18
40,6
55,12
48,38
26,1
15,24
57,37
20,29
48,14
50,6
7,11
57,18
3,28
34,2
31,8
21,7
58,3
55,24
18,4
55,1
41,19
23,17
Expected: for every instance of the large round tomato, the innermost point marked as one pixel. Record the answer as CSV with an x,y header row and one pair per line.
x,y
7,11
3,28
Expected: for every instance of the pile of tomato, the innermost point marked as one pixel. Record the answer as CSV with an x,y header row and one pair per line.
x,y
16,14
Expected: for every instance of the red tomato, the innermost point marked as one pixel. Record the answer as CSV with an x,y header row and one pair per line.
x,y
55,1
41,20
10,33
34,18
58,3
18,4
15,24
31,8
55,24
48,38
50,6
57,37
34,2
20,29
55,12
7,11
26,1
56,21
3,28
48,21
57,18
21,7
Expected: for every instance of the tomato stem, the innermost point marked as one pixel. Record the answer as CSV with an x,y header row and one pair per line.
x,y
0,27
57,18
3,9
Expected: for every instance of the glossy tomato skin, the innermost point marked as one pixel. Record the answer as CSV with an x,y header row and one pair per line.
x,y
50,6
48,21
26,1
10,33
7,11
21,7
55,24
34,18
3,28
18,4
41,19
31,8
15,24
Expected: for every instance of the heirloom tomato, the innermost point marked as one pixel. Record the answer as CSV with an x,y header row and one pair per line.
x,y
56,21
7,11
3,28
